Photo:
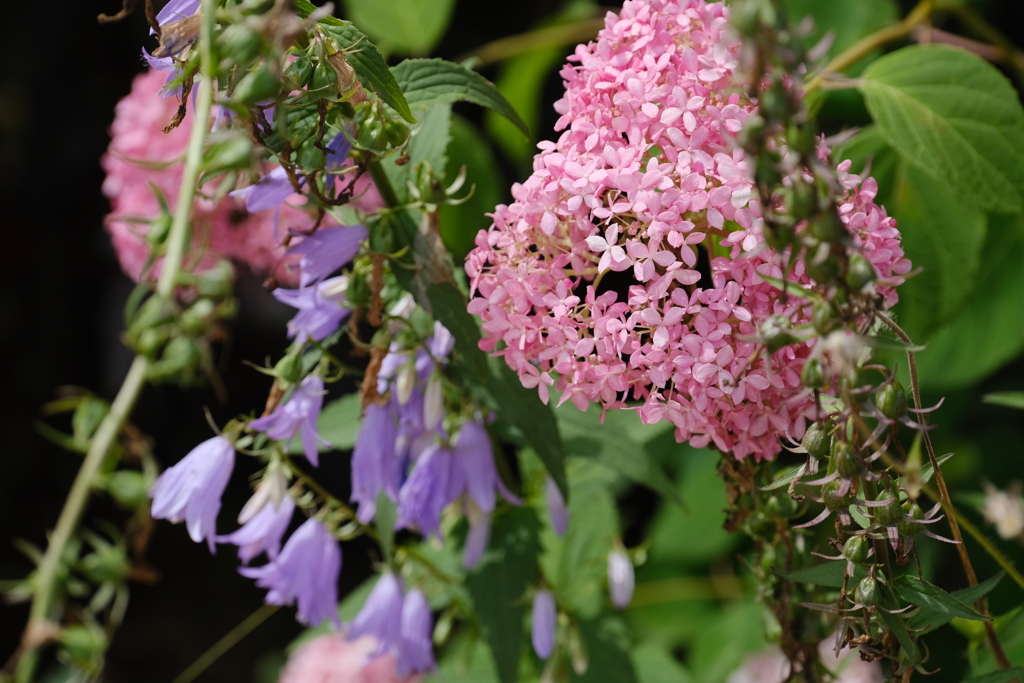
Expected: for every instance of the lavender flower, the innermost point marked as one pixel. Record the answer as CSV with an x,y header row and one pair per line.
x,y
176,10
268,192
306,570
544,622
375,465
298,414
191,490
620,578
339,147
263,532
381,615
415,652
557,510
431,486
478,536
320,308
327,250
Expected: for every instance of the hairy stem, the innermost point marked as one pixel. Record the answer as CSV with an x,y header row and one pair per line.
x,y
870,43
944,497
226,643
45,582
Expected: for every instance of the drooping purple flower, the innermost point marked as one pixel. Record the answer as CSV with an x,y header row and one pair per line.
x,y
191,490
263,532
327,250
176,10
268,192
432,485
478,536
339,147
306,571
320,308
297,415
381,615
620,578
376,466
544,622
557,510
415,651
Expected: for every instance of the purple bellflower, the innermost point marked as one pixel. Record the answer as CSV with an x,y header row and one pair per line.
x,y
320,308
268,192
191,490
306,570
381,615
620,578
175,10
327,250
376,466
415,652
431,486
544,622
297,415
557,510
263,532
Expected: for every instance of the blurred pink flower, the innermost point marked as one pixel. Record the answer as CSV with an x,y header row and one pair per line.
x,y
771,666
332,658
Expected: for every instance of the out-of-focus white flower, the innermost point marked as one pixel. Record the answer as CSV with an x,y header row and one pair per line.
x,y
1004,509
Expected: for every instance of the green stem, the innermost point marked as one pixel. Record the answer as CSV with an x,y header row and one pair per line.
x,y
108,431
870,43
226,643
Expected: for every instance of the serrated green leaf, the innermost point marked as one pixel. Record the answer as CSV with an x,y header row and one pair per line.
x,y
954,116
498,585
923,594
990,330
427,82
927,620
371,69
611,445
944,238
1002,676
1010,399
406,26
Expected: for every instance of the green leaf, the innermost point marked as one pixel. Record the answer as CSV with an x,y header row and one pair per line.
x,y
919,592
428,144
896,623
954,116
725,639
990,330
927,471
427,82
1010,399
848,21
384,521
466,660
1002,676
338,423
607,646
654,664
611,445
498,585
406,26
828,574
870,154
785,477
929,619
370,67
943,238
460,223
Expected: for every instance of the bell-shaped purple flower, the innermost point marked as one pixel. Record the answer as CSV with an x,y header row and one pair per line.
x,y
620,578
415,651
306,571
375,465
297,415
320,308
339,147
545,619
268,192
327,250
262,533
477,537
191,490
381,615
557,510
432,485
176,10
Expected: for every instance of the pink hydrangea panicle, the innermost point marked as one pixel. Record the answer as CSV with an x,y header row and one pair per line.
x,y
645,180
332,658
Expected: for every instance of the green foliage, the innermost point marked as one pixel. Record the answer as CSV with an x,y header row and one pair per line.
x,y
725,640
606,644
919,592
498,587
1010,399
848,21
931,618
406,26
427,82
954,116
654,665
1003,676
338,423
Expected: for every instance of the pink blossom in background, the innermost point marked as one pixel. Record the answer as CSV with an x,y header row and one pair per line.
x,y
646,168
771,666
332,658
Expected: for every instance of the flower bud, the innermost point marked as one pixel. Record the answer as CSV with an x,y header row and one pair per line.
x,y
557,510
545,620
888,514
397,132
107,563
257,86
130,488
911,511
847,464
856,549
84,645
774,333
834,501
197,318
811,375
289,368
867,592
781,505
226,155
240,43
892,400
216,282
620,578
817,441
406,382
860,273
823,317
433,402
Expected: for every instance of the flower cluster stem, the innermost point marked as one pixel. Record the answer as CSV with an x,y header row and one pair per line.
x,y
37,632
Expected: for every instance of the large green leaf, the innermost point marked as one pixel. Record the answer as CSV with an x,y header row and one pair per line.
x,y
954,116
338,423
612,445
848,21
498,585
943,238
726,638
919,592
929,619
427,82
406,26
654,664
428,145
607,646
990,330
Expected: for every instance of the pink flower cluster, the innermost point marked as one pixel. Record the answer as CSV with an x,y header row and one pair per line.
x,y
645,174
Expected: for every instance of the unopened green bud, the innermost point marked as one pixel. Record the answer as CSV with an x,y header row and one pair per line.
x,y
823,317
179,355
891,512
911,511
775,104
130,488
88,415
299,71
800,139
358,293
860,273
257,86
856,549
847,463
817,441
867,592
109,563
781,505
155,311
240,43
197,318
800,200
84,645
811,375
834,501
216,282
823,272
397,132
226,155
150,341
892,400
290,367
